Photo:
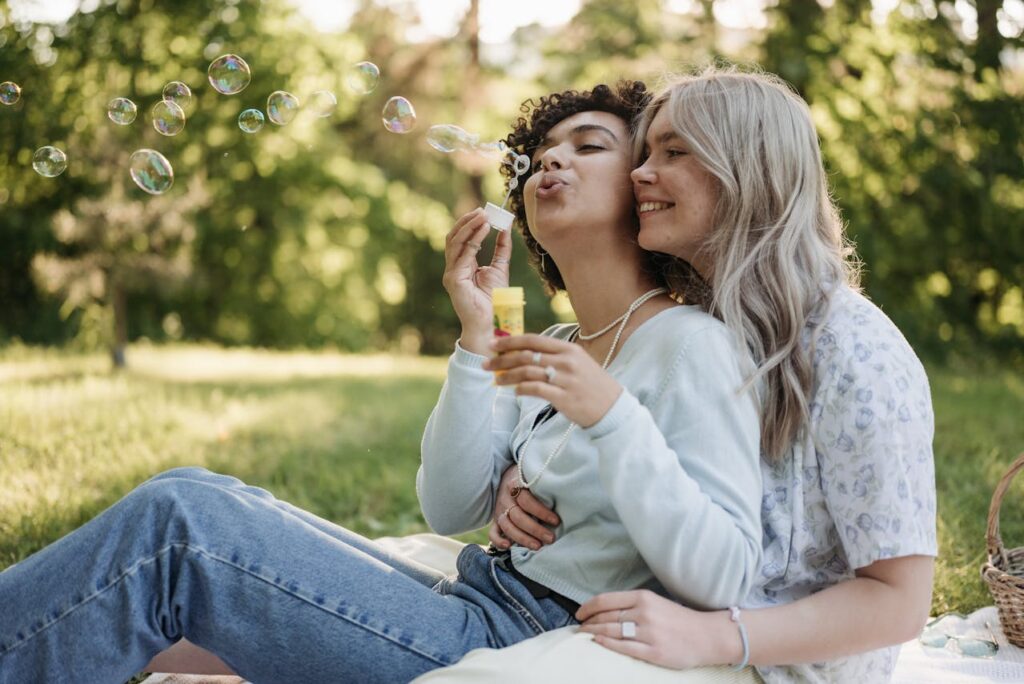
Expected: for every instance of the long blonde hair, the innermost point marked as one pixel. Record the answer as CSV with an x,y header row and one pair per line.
x,y
776,248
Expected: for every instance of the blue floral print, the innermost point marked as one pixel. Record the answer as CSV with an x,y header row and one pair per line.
x,y
859,485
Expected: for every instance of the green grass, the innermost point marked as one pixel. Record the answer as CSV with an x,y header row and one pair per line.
x,y
339,435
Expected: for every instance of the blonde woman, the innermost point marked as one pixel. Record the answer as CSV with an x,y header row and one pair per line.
x,y
730,180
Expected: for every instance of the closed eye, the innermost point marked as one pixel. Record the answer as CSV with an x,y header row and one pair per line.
x,y
588,146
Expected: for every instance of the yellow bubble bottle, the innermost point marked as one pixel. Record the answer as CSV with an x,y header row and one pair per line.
x,y
508,304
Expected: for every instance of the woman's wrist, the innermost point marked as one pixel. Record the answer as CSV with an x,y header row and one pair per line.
x,y
726,644
476,341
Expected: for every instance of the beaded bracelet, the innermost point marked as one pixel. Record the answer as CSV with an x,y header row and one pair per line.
x,y
734,615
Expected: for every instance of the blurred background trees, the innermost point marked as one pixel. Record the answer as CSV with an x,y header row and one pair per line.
x,y
328,232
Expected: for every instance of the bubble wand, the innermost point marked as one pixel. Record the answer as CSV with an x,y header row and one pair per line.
x,y
499,217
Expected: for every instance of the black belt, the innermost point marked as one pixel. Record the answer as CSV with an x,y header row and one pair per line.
x,y
536,589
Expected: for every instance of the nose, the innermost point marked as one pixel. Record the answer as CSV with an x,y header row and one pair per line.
x,y
552,159
643,174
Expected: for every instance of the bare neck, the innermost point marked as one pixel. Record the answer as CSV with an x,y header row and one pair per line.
x,y
602,283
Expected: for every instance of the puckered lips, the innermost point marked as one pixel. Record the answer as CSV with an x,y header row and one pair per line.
x,y
649,207
550,185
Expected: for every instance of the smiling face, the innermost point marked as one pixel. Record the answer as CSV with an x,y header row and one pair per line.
x,y
675,196
580,176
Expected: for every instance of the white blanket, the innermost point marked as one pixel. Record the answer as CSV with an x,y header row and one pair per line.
x,y
920,665
916,665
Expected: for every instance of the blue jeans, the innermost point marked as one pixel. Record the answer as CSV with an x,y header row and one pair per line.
x,y
279,594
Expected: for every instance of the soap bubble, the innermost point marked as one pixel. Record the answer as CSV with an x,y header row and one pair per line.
x,y
178,93
282,107
450,138
229,74
496,149
49,161
251,120
363,77
168,118
151,171
398,115
323,102
10,92
121,111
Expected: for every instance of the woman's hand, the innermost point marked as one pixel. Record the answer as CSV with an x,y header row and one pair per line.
x,y
559,372
667,633
518,520
468,283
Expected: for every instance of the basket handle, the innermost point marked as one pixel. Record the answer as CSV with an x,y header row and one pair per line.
x,y
995,542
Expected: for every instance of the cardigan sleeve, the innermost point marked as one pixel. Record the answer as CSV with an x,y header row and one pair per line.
x,y
465,446
683,472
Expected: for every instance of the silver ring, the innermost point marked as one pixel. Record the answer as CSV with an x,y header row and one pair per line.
x,y
536,358
628,629
550,372
475,245
500,260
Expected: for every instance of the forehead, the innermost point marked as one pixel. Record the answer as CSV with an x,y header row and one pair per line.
x,y
567,125
661,128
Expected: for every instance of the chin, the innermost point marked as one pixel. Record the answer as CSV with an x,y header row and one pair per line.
x,y
649,240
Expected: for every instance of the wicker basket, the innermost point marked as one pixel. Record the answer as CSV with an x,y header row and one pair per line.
x,y
1004,571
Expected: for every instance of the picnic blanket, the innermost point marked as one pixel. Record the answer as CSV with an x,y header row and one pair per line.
x,y
917,664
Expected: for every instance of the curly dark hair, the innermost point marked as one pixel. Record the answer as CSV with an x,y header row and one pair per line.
x,y
625,100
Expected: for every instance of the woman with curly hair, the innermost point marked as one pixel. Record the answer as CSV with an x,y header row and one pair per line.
x,y
632,422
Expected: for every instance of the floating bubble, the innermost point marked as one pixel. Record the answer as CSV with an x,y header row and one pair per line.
x,y
121,111
398,115
449,138
178,93
323,102
49,161
229,74
151,171
363,77
496,149
10,93
282,107
251,120
168,118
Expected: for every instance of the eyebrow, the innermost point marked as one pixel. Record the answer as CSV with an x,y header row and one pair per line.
x,y
667,136
582,128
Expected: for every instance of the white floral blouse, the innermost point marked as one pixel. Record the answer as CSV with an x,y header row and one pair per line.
x,y
859,486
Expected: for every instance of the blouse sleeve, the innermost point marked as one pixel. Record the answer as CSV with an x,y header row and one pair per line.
x,y
873,425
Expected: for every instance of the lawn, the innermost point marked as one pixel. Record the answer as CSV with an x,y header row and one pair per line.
x,y
339,435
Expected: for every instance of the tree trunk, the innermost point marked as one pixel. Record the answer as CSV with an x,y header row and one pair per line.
x,y
471,87
119,303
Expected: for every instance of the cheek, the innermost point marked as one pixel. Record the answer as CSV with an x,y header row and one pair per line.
x,y
529,199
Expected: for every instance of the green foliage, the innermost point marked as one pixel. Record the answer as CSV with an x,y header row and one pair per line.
x,y
327,232
339,435
921,127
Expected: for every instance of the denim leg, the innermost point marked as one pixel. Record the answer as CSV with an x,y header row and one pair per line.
x,y
423,574
276,597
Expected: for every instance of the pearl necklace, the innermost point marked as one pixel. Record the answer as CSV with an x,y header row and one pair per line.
x,y
622,321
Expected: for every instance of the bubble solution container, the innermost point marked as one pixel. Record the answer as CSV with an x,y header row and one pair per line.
x,y
500,219
508,303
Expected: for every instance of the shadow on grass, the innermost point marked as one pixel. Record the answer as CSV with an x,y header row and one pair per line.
x,y
344,448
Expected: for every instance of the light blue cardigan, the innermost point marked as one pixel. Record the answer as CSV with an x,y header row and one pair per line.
x,y
662,493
